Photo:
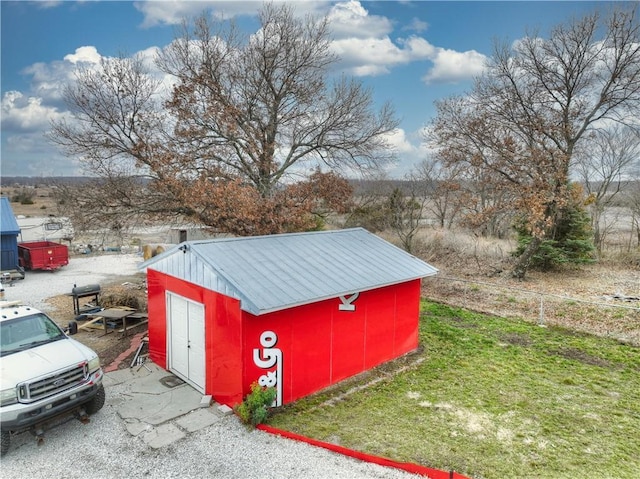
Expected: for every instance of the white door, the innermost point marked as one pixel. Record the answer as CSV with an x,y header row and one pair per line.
x,y
185,320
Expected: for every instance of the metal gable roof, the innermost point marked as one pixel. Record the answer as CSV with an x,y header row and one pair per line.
x,y
276,272
8,222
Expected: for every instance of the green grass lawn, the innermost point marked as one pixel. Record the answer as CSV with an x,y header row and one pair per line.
x,y
490,398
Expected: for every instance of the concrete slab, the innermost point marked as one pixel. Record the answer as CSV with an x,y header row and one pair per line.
x,y
163,436
159,408
155,381
197,420
150,384
117,377
136,427
224,410
120,376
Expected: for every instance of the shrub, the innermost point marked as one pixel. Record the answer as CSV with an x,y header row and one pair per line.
x,y
253,410
371,217
24,197
570,242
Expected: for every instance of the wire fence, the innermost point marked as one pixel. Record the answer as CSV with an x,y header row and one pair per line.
x,y
616,317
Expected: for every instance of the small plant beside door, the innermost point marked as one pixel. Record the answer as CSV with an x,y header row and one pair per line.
x,y
254,409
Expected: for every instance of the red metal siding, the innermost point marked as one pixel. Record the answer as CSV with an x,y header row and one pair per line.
x,y
348,342
224,348
301,350
310,352
223,333
318,345
380,328
157,307
407,318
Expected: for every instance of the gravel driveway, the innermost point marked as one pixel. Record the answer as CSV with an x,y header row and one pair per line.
x,y
226,449
105,449
37,286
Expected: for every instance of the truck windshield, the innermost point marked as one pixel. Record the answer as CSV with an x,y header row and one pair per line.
x,y
28,332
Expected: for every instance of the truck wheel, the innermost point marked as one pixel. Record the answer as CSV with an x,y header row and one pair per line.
x,y
6,440
97,402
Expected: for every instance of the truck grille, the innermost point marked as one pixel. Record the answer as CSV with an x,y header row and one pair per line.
x,y
62,380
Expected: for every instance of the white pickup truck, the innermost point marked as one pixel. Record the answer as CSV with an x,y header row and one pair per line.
x,y
44,373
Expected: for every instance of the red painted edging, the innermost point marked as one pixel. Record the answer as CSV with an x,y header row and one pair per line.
x,y
382,461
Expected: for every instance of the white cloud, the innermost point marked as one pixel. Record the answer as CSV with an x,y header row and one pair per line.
x,y
401,144
368,56
361,40
375,56
172,13
365,48
452,66
21,113
169,13
26,116
419,48
416,25
25,150
364,42
49,4
378,56
351,20
410,151
29,154
83,55
48,79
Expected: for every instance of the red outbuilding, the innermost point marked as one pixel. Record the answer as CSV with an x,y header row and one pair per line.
x,y
296,311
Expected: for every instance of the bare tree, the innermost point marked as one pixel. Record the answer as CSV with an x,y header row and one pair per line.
x,y
405,206
538,99
255,109
466,193
369,208
605,165
443,189
489,207
120,133
243,114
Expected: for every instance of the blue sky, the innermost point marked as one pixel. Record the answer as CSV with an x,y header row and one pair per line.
x,y
410,53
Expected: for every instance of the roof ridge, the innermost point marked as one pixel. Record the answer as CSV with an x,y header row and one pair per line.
x,y
276,235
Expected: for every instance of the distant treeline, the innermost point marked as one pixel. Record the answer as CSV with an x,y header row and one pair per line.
x,y
6,181
360,187
48,181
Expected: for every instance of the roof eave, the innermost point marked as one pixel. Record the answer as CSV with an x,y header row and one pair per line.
x,y
256,311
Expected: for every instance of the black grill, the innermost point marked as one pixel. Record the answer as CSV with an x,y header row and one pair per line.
x,y
79,292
